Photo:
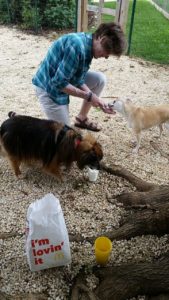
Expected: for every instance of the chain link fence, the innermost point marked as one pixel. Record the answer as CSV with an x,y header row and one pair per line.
x,y
38,14
164,4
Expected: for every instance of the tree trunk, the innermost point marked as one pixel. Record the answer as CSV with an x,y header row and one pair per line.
x,y
147,221
126,281
129,280
153,218
158,194
122,282
119,171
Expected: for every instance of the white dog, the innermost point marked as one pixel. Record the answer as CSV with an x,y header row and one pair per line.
x,y
140,118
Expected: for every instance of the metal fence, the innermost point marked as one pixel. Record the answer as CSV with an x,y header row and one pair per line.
x,y
164,4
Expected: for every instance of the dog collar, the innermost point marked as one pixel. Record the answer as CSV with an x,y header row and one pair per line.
x,y
62,133
77,142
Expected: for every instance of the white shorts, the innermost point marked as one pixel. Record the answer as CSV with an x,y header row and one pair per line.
x,y
60,113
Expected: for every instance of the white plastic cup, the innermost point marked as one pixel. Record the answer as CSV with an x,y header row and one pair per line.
x,y
93,174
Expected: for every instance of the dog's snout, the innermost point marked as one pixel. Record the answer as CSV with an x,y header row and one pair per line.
x,y
90,159
93,161
94,165
111,104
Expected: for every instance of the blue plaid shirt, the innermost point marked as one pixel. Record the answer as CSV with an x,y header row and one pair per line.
x,y
67,62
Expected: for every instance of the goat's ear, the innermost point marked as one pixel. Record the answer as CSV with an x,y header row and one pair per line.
x,y
128,100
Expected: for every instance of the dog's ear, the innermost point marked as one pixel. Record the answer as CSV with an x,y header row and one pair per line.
x,y
90,138
87,143
98,150
94,145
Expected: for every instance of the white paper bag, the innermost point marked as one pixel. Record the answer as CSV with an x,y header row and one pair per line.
x,y
47,243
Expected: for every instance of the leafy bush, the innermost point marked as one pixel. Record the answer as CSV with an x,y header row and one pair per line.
x,y
15,10
30,15
10,11
60,14
4,12
34,14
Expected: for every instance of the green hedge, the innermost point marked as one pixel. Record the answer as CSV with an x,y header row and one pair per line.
x,y
38,14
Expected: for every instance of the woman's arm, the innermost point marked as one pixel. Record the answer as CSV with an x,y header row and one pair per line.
x,y
82,92
85,93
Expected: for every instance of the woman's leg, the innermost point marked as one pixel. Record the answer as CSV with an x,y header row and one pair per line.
x,y
52,110
96,82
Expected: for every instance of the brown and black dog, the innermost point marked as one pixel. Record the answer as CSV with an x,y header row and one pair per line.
x,y
26,139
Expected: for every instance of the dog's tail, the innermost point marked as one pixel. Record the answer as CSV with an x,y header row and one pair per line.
x,y
2,152
12,114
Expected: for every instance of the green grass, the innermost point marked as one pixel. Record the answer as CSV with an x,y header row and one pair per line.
x,y
150,38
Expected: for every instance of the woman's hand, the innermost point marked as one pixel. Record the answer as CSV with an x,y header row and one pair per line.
x,y
107,109
98,102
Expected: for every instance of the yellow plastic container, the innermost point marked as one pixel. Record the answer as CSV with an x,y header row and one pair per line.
x,y
103,248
